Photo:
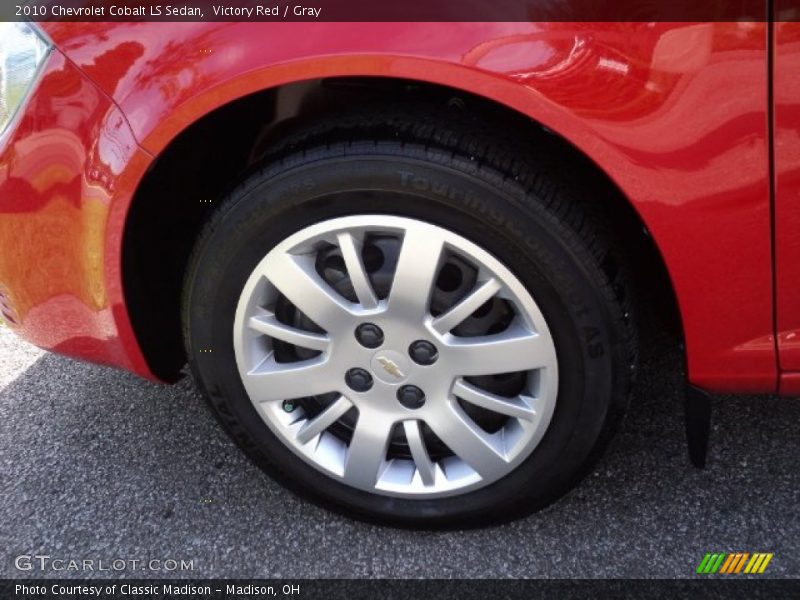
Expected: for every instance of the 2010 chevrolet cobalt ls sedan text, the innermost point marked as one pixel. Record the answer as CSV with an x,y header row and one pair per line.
x,y
406,261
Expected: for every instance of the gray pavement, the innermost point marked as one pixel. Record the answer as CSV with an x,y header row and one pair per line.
x,y
97,464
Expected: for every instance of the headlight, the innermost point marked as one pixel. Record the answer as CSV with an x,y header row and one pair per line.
x,y
22,51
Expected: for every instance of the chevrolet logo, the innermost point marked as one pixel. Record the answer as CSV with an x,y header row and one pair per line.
x,y
391,367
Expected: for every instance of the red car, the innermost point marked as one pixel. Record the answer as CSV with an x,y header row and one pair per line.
x,y
406,262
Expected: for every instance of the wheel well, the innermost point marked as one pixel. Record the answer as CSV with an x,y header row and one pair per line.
x,y
176,195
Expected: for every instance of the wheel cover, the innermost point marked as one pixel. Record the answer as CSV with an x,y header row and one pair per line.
x,y
385,439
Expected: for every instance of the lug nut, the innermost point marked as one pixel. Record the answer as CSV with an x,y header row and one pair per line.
x,y
423,352
369,335
289,406
358,379
411,396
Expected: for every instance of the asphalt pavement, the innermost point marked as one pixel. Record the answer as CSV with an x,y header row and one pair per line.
x,y
97,464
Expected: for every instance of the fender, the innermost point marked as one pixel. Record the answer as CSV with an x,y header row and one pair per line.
x,y
675,114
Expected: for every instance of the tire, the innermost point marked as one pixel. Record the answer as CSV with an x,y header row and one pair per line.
x,y
510,214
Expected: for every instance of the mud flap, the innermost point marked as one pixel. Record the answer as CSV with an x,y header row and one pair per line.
x,y
697,410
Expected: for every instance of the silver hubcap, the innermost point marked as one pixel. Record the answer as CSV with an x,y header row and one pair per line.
x,y
460,388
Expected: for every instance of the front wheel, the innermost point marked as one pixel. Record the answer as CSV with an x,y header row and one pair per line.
x,y
408,334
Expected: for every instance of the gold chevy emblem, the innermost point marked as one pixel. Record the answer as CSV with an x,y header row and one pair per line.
x,y
391,367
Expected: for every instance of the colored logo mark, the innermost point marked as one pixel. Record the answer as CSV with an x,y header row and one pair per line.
x,y
734,563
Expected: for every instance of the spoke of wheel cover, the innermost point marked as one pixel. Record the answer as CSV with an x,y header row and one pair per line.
x,y
366,454
415,275
304,288
511,407
269,325
272,381
323,420
351,253
472,302
419,453
468,441
508,352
